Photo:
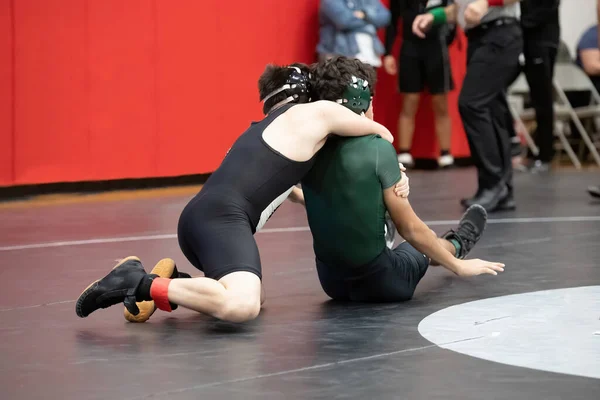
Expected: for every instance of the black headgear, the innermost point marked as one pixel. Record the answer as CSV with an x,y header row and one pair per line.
x,y
296,87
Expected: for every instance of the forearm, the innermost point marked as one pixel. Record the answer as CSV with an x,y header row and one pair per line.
x,y
343,122
411,228
392,29
360,126
390,37
424,239
500,3
451,13
592,68
379,16
444,15
340,15
590,61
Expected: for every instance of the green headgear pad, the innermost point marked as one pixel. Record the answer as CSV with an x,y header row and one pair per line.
x,y
357,96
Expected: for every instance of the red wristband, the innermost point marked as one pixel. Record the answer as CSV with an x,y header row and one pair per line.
x,y
495,3
159,291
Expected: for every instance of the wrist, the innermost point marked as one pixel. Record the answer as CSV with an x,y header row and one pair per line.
x,y
454,265
495,3
439,15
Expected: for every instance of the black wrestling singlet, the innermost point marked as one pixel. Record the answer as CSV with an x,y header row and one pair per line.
x,y
252,174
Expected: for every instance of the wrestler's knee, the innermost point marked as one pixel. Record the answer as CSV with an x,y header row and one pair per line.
x,y
240,309
242,296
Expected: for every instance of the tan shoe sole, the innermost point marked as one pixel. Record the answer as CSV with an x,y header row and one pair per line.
x,y
164,268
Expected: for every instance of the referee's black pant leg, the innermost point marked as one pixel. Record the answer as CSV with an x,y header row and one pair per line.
x,y
504,125
492,62
539,71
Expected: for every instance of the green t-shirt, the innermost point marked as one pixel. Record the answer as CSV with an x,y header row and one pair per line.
x,y
344,198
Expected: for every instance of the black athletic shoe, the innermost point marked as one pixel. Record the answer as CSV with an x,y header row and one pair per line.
x,y
539,167
119,286
594,191
470,228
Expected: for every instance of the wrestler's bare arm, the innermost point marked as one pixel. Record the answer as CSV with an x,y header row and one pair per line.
x,y
301,131
451,13
422,238
423,22
339,120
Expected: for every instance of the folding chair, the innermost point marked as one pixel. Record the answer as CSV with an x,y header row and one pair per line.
x,y
516,94
563,55
569,77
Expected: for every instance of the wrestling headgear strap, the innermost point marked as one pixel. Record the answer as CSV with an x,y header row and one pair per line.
x,y
297,88
357,96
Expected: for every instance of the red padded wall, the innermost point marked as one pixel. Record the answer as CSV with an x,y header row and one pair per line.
x,y
6,93
144,88
122,89
188,87
51,106
111,89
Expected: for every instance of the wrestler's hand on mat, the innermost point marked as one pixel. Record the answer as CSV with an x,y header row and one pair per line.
x,y
402,188
422,24
478,267
475,11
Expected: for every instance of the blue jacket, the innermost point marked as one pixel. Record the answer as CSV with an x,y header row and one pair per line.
x,y
338,25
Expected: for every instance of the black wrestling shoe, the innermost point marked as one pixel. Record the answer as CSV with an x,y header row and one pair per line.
x,y
490,198
508,204
119,286
469,231
468,202
165,268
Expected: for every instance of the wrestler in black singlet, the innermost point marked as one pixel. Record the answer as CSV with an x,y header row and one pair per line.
x,y
216,228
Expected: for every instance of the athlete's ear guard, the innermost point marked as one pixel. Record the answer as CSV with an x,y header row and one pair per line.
x,y
357,96
296,87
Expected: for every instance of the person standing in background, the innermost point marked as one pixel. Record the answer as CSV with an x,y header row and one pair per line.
x,y
541,37
588,57
495,43
424,63
349,28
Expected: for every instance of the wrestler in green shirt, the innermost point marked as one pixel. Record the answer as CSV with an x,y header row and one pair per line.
x,y
347,193
344,198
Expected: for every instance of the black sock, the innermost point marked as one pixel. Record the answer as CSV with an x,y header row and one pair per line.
x,y
444,153
142,292
404,151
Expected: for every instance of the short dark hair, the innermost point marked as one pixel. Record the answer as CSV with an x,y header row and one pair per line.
x,y
274,77
331,77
